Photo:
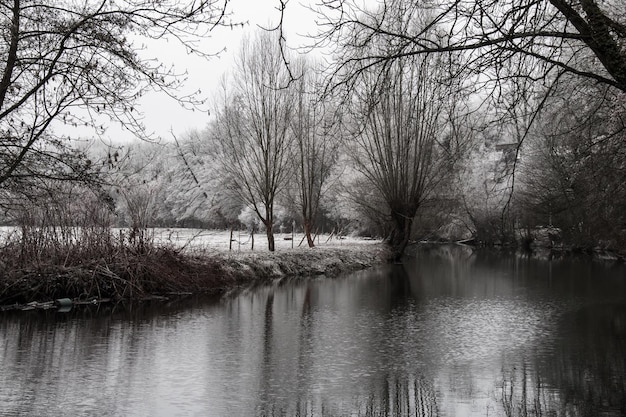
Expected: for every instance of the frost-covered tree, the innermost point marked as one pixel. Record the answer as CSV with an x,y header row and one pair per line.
x,y
200,192
82,64
185,179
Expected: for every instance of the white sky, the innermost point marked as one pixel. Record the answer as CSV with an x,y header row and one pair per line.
x,y
162,114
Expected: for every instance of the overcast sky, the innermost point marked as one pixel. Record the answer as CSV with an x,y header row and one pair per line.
x,y
163,114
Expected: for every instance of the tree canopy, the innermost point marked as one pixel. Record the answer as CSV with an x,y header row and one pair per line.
x,y
582,37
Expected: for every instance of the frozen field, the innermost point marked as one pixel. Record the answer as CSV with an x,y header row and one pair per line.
x,y
242,241
219,240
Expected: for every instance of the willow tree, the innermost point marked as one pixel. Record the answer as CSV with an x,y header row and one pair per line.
x,y
404,147
405,142
82,64
253,126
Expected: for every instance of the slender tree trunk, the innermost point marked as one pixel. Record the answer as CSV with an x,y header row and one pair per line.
x,y
307,232
270,237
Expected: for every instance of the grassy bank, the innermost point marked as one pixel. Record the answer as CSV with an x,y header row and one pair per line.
x,y
109,266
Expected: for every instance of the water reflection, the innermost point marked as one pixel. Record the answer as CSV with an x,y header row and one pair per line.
x,y
450,332
583,375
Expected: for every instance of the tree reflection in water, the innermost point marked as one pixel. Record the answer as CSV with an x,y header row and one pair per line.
x,y
450,332
395,396
582,377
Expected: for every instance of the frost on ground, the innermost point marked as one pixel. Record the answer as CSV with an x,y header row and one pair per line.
x,y
194,240
165,262
331,255
218,240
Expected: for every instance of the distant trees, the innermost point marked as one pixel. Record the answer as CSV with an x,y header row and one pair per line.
x,y
253,125
489,177
73,63
174,183
484,186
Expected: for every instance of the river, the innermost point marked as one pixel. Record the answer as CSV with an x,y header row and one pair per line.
x,y
449,332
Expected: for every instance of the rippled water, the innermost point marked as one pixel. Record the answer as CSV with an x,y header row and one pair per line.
x,y
448,333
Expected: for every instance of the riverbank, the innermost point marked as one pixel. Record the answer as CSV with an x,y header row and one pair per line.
x,y
157,270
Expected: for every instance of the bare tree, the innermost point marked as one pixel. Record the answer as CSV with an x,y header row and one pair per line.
x,y
405,147
317,132
501,41
582,37
77,62
254,126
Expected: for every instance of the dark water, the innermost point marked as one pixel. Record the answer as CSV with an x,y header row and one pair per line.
x,y
449,333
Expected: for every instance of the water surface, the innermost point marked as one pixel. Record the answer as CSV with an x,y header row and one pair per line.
x,y
450,332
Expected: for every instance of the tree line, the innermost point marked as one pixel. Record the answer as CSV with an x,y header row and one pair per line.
x,y
476,120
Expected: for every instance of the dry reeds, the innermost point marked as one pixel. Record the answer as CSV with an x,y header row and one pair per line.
x,y
38,268
70,250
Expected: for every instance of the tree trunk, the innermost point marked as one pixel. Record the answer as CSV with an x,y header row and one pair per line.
x,y
400,235
307,232
270,237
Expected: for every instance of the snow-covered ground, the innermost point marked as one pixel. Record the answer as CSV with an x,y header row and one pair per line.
x,y
219,240
6,232
242,241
